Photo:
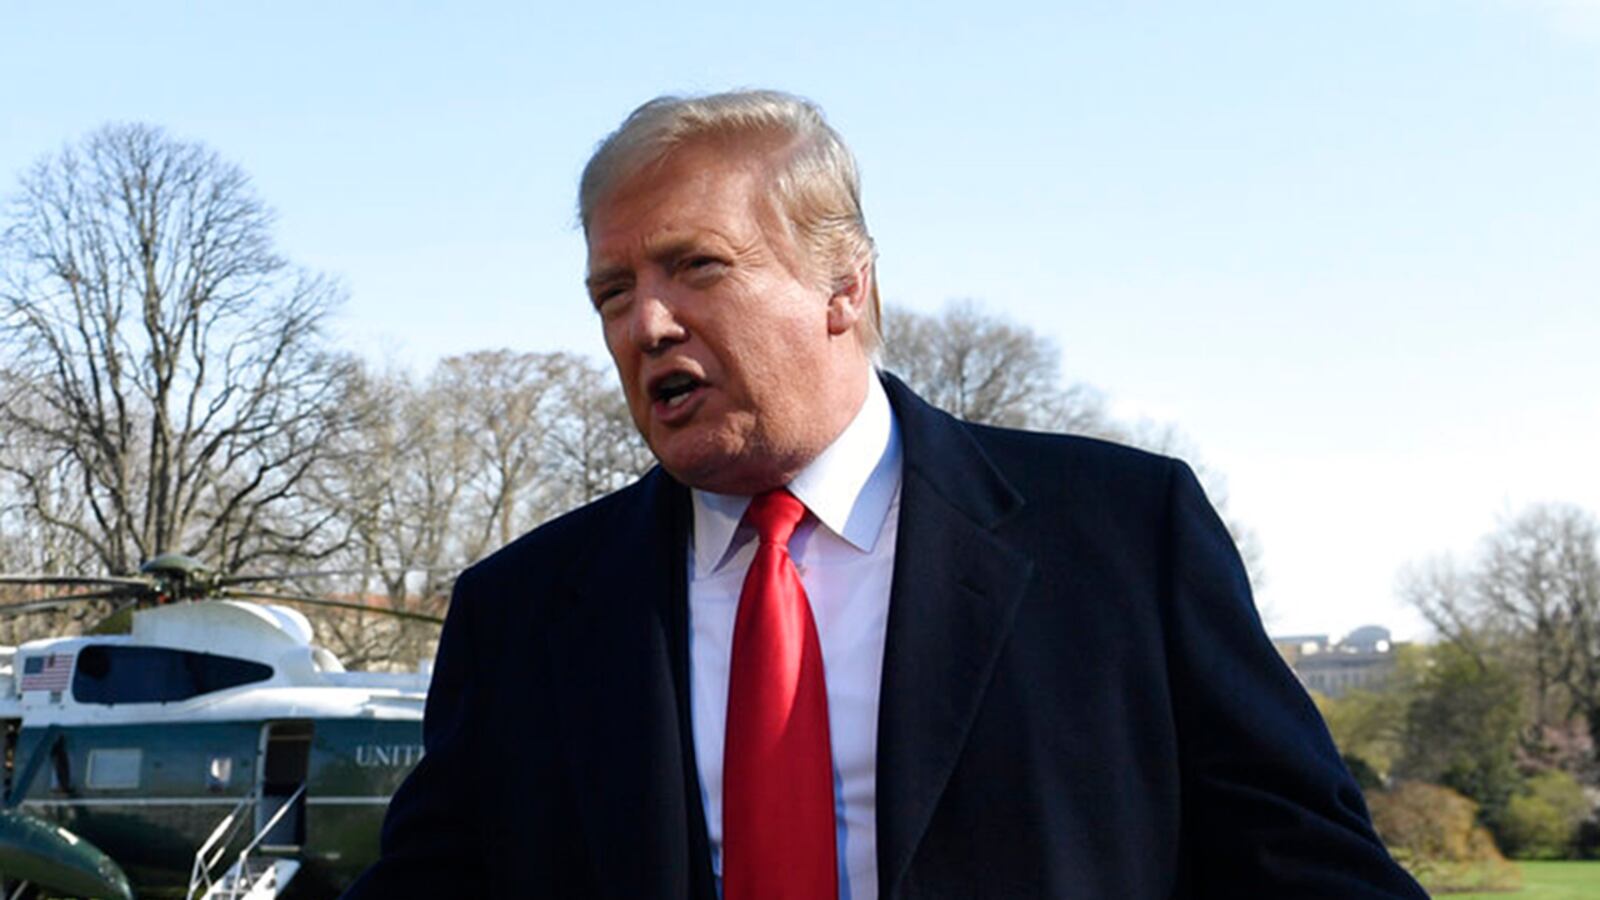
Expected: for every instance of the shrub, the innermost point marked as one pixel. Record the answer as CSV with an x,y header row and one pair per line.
x,y
1434,832
1541,822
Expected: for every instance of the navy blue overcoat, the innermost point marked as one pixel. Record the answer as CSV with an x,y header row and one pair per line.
x,y
1078,701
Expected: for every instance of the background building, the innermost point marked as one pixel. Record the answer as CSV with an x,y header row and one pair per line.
x,y
1363,659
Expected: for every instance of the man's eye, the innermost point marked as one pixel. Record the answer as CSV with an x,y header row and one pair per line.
x,y
702,264
607,301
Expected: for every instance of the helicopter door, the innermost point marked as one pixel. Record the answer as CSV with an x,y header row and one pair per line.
x,y
285,760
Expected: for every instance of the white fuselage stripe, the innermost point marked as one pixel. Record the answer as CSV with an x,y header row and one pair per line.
x,y
136,801
197,801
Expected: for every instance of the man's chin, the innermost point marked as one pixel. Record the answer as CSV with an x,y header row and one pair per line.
x,y
719,472
716,476
687,457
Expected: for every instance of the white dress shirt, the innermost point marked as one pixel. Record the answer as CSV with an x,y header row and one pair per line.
x,y
844,552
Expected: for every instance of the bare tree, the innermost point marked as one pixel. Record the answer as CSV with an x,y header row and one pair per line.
x,y
395,482
502,404
500,441
593,444
400,479
42,491
981,367
1530,601
164,356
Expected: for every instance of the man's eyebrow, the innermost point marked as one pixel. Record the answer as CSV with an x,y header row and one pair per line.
x,y
604,275
662,251
671,247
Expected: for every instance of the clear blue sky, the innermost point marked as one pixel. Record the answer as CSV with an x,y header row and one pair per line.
x,y
1349,248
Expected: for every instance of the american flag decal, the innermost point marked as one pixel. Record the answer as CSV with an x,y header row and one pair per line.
x,y
47,672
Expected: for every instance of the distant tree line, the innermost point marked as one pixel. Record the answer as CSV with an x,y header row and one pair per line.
x,y
168,384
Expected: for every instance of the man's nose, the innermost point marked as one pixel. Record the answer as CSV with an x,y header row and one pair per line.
x,y
655,323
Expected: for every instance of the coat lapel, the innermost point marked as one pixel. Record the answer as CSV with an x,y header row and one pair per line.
x,y
954,596
621,663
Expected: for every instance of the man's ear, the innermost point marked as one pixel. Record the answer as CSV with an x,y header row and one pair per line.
x,y
852,297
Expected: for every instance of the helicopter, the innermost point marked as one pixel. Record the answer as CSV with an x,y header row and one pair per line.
x,y
197,744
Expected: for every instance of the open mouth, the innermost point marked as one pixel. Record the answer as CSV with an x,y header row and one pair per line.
x,y
674,390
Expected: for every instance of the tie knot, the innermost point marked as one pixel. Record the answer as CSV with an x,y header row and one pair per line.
x,y
774,516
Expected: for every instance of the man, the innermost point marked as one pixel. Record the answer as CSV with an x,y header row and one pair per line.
x,y
838,643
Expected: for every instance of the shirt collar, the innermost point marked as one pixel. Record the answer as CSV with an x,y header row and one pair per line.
x,y
849,487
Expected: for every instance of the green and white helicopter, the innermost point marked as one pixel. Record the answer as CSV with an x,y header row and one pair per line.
x,y
213,750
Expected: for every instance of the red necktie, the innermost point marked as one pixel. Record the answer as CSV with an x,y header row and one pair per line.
x,y
777,768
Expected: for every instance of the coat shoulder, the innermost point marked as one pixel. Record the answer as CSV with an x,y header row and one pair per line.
x,y
1089,472
1073,450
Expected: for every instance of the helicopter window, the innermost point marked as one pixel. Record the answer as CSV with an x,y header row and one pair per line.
x,y
113,769
109,673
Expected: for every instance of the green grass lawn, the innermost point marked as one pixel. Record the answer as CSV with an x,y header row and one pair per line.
x,y
1549,881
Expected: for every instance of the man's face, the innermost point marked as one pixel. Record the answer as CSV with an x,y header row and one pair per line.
x,y
738,363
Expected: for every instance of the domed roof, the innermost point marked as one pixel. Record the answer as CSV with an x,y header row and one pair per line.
x,y
1367,638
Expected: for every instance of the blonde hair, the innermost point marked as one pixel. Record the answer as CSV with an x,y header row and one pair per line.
x,y
814,179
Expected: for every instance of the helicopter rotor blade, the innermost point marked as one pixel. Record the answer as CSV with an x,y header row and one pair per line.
x,y
331,573
76,579
321,601
49,603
